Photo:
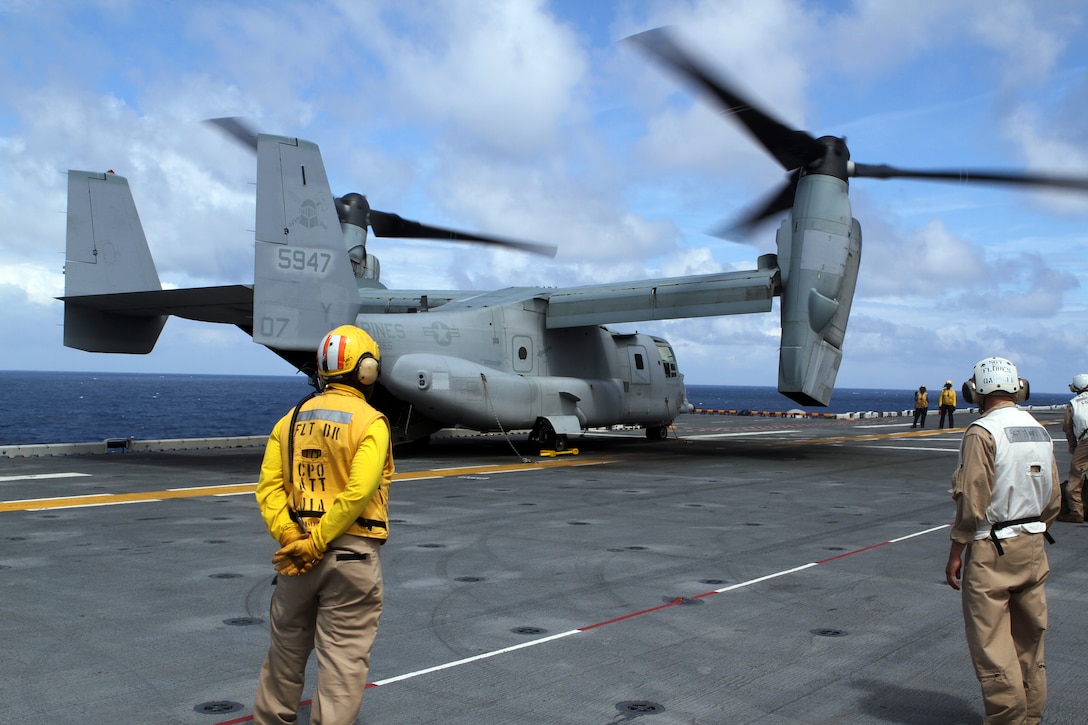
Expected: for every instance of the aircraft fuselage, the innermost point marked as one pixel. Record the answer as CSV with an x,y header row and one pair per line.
x,y
497,367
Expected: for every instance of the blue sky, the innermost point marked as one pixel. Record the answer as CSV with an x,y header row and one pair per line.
x,y
531,119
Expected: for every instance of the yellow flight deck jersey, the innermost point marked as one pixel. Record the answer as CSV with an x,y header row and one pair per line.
x,y
948,397
342,464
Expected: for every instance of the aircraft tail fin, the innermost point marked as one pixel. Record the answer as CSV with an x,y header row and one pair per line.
x,y
106,252
819,273
303,284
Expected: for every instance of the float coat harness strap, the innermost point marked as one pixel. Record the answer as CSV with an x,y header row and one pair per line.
x,y
1002,524
298,516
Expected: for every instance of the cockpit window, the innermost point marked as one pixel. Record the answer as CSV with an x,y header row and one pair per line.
x,y
668,360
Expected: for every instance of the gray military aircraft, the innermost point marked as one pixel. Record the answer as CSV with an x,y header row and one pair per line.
x,y
513,359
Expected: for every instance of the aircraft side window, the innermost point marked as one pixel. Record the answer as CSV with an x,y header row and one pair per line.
x,y
522,353
639,362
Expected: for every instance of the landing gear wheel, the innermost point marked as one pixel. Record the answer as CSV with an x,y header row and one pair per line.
x,y
414,447
560,443
657,432
543,436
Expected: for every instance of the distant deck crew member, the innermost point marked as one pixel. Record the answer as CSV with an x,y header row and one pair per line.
x,y
1075,427
947,403
921,407
324,496
1006,495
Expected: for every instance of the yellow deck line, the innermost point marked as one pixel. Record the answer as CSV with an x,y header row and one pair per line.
x,y
871,437
106,499
922,433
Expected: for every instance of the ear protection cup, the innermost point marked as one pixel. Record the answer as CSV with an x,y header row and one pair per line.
x,y
369,369
1023,393
968,391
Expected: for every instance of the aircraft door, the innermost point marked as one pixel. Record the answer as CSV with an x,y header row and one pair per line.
x,y
638,388
521,354
640,366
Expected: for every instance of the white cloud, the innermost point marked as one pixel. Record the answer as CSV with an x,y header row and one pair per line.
x,y
506,75
40,285
1011,28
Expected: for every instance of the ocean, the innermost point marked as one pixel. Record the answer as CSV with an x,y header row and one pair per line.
x,y
844,400
55,407
52,407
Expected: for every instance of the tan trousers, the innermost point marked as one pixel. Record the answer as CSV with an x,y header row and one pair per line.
x,y
1078,466
334,609
1004,613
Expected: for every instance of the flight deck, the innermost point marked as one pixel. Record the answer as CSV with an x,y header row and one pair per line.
x,y
746,570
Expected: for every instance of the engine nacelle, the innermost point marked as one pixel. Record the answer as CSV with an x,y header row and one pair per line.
x,y
818,254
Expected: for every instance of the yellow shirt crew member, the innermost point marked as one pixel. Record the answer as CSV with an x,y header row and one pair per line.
x,y
341,470
324,495
947,403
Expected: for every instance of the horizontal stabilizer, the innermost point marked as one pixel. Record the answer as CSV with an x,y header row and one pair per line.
x,y
106,252
229,304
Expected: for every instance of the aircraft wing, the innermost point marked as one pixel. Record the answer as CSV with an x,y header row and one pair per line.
x,y
382,301
728,293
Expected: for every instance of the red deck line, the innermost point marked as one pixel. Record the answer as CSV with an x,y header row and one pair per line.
x,y
632,615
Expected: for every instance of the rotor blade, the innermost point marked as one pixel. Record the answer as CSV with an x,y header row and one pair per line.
x,y
237,129
883,171
790,147
386,224
780,201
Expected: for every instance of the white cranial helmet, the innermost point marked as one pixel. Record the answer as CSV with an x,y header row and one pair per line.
x,y
1079,384
993,375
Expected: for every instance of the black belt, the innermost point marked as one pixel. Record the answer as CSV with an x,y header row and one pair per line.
x,y
1002,524
365,523
348,554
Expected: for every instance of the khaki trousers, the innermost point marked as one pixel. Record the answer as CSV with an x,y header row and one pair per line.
x,y
332,609
1004,613
1078,466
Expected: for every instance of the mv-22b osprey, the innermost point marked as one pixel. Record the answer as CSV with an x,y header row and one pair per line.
x,y
513,359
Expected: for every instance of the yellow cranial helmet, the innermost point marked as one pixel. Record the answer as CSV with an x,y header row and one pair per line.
x,y
347,349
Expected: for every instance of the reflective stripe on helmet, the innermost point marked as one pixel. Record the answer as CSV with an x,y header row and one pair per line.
x,y
333,352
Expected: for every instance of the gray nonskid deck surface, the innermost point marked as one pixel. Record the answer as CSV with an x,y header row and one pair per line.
x,y
576,594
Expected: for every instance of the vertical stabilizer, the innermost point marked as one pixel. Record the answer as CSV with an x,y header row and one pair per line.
x,y
303,284
106,252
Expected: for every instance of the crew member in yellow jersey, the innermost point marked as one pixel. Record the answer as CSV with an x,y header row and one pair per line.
x,y
921,406
324,496
947,405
